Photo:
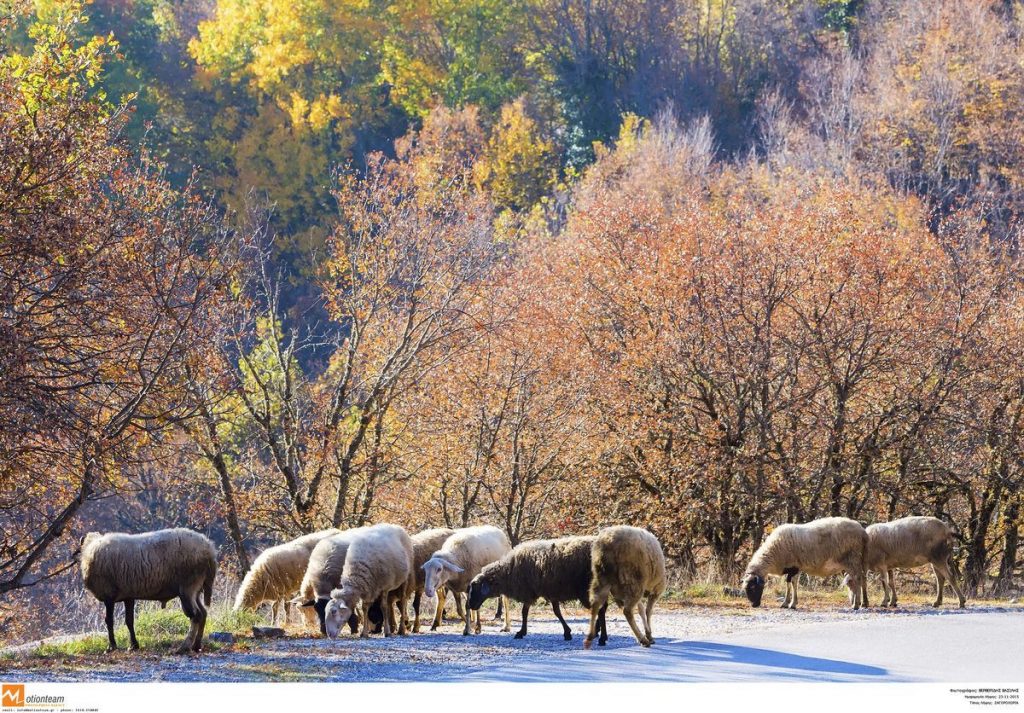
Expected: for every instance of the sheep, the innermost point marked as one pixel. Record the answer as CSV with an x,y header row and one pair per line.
x,y
557,570
821,548
276,574
911,542
461,558
627,564
157,566
379,561
424,544
323,573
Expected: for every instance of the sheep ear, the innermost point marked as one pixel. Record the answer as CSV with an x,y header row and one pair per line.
x,y
453,568
298,600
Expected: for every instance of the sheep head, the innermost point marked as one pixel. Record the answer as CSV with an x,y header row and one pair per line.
x,y
753,587
337,612
438,571
479,590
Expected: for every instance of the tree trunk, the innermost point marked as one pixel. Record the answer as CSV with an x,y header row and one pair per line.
x,y
977,548
1011,538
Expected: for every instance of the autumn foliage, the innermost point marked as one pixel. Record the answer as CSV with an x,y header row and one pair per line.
x,y
426,281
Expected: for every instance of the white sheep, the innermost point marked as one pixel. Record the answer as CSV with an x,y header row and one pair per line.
x,y
912,542
323,573
424,544
276,574
378,562
461,558
628,565
820,548
156,566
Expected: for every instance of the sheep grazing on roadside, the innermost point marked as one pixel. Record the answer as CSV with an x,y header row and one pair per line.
x,y
555,570
912,542
276,574
424,545
156,566
323,574
820,548
461,558
627,565
378,562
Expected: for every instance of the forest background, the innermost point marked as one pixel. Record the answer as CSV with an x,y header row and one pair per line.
x,y
703,266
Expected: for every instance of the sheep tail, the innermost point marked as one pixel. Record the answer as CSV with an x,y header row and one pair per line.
x,y
211,574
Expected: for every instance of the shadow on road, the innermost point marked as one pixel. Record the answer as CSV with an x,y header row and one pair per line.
x,y
690,661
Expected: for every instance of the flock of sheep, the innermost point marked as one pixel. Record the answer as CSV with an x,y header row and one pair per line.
x,y
358,577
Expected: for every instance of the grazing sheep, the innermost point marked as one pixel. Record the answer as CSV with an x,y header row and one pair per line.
x,y
425,544
628,565
911,542
556,570
820,548
378,562
323,573
157,566
276,574
461,558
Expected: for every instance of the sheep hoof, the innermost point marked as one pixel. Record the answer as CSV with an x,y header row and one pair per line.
x,y
567,637
587,643
111,649
519,635
602,642
651,641
645,643
133,647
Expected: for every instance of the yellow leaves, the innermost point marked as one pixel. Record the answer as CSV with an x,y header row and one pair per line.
x,y
518,165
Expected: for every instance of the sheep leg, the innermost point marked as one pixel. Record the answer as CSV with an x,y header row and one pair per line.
x,y
600,601
951,575
129,621
458,605
792,603
522,628
891,576
566,631
501,610
440,594
416,600
365,632
403,602
508,613
188,607
641,613
197,642
647,618
785,602
631,620
273,612
940,584
467,615
109,619
602,623
853,584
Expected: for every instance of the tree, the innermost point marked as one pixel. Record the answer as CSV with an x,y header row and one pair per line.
x,y
108,277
